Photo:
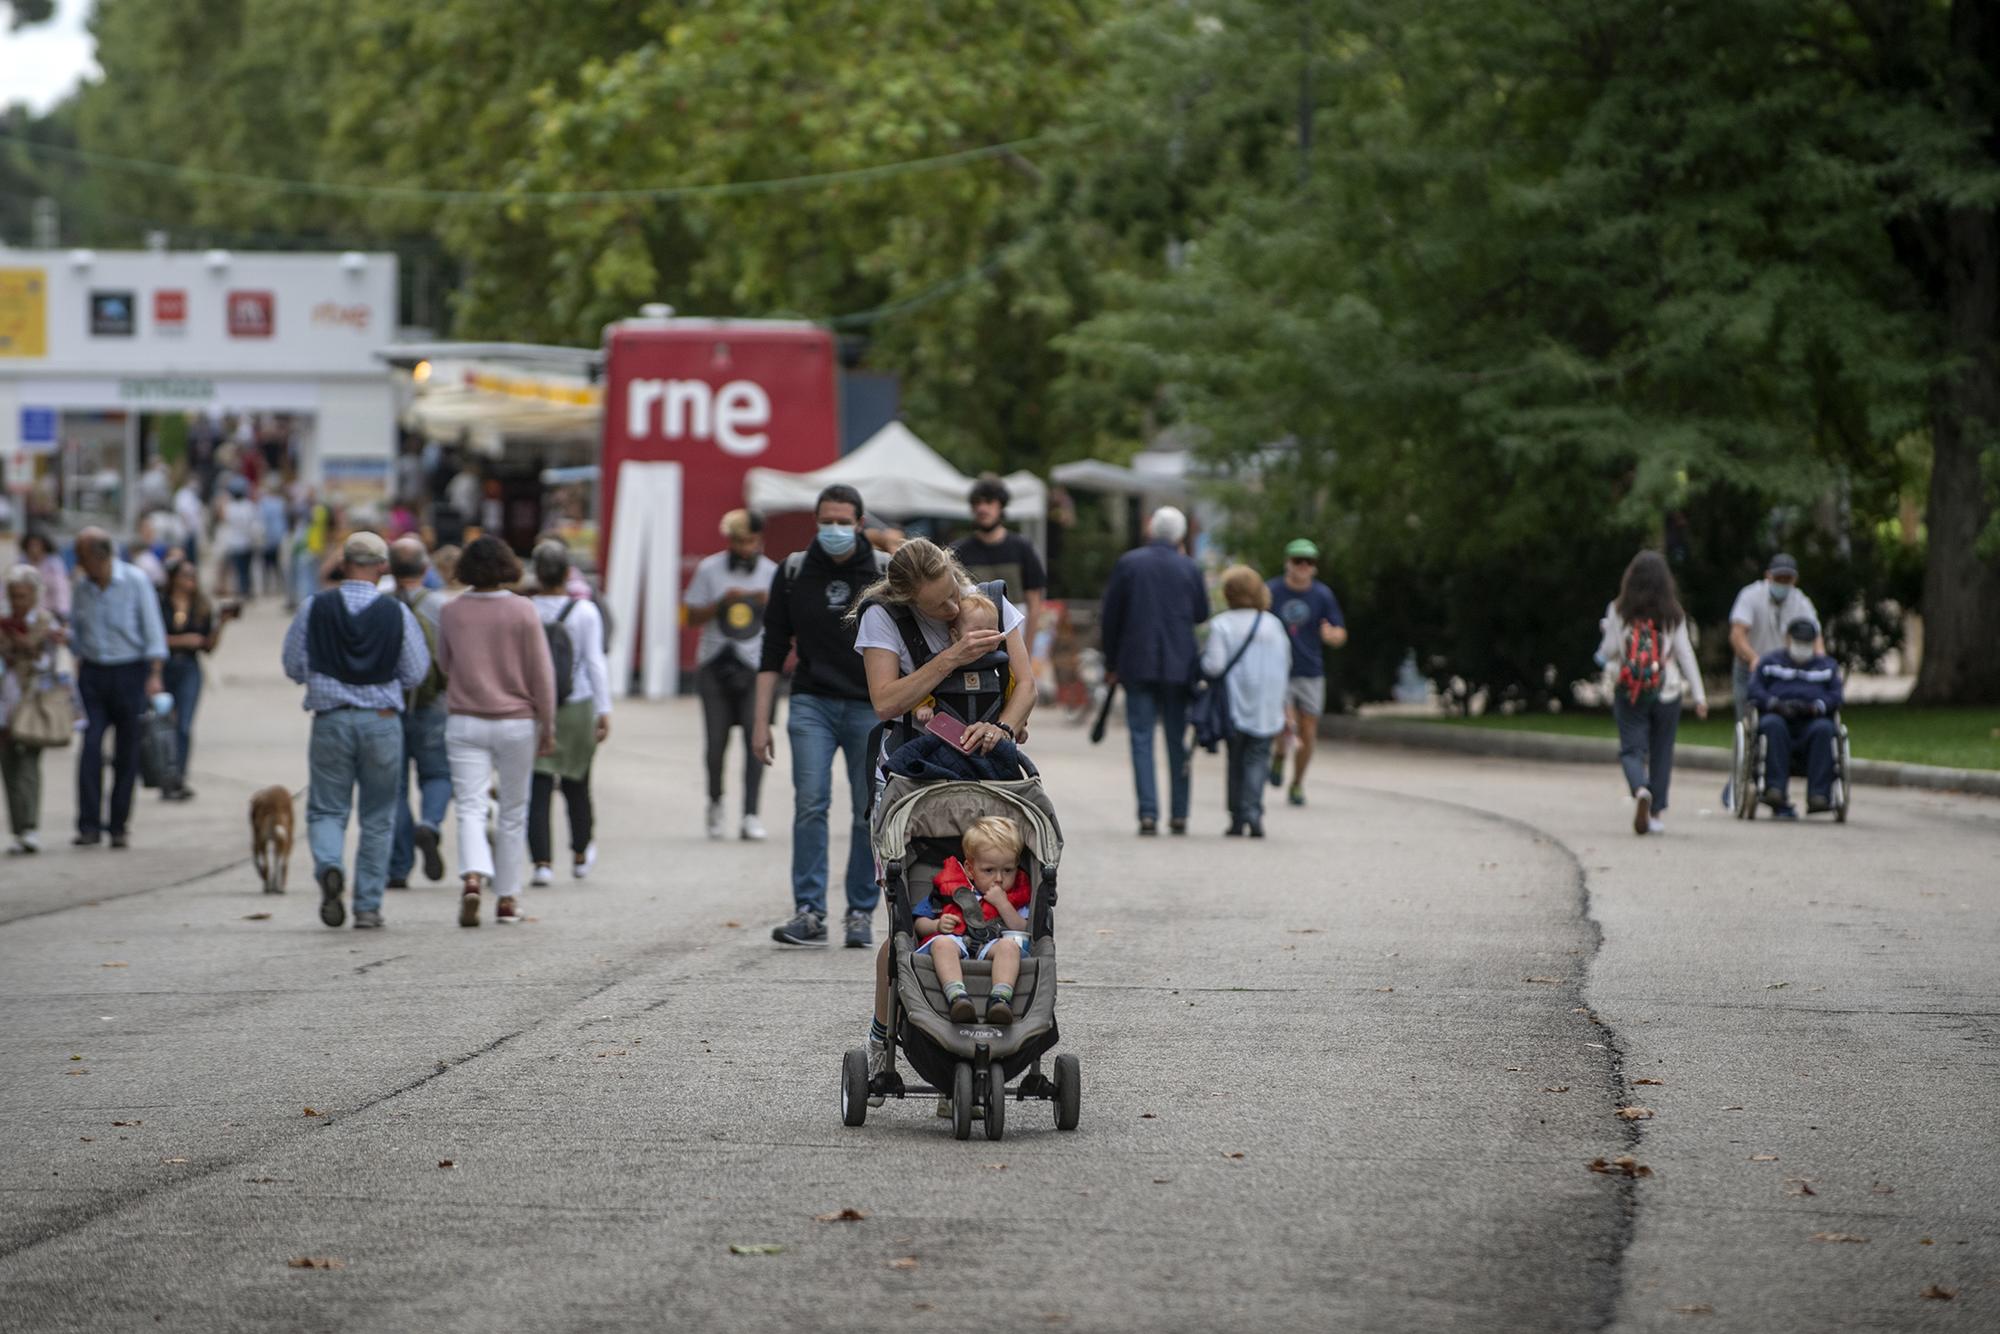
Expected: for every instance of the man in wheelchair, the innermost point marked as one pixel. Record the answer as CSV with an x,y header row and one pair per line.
x,y
1796,692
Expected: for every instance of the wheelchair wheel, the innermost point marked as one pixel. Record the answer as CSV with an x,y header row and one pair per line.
x,y
1843,786
1749,753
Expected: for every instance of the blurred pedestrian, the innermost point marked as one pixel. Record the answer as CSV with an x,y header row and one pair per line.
x,y
120,645
423,727
500,690
357,653
275,522
29,635
1646,642
194,627
39,552
1312,618
994,553
583,718
726,598
240,535
193,515
1758,618
829,713
1154,601
1254,649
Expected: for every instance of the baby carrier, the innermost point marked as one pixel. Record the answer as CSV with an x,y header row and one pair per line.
x,y
975,693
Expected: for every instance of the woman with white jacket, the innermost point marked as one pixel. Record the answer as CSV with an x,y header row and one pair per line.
x,y
1256,688
1646,643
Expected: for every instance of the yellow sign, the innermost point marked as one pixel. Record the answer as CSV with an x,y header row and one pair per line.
x,y
24,313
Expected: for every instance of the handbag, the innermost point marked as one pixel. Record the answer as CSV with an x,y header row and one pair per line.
x,y
46,715
159,751
1209,709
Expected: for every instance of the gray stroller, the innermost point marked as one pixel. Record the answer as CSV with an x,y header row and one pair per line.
x,y
916,827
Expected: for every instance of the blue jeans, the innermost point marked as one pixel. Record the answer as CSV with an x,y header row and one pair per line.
x,y
355,750
1646,745
1249,766
182,677
1785,740
423,746
1148,702
818,725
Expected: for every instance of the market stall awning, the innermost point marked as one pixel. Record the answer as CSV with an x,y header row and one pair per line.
x,y
898,475
489,405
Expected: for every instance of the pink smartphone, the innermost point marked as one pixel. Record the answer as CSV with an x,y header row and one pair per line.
x,y
948,727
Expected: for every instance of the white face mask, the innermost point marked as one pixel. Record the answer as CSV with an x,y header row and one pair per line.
x,y
1779,592
1801,653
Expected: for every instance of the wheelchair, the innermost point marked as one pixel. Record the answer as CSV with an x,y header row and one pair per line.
x,y
1746,770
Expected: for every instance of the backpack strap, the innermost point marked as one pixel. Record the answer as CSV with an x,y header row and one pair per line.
x,y
568,607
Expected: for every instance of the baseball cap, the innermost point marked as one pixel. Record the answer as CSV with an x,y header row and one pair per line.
x,y
1803,630
1782,564
365,548
1302,548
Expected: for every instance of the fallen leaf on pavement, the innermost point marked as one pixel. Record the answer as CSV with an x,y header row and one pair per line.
x,y
841,1216
1385,988
315,1262
1938,1294
755,1248
996,1167
733,926
446,1162
1763,1157
1799,1186
87,1139
173,1160
74,1057
906,1262
1737,1107
1556,1088
924,1306
1697,1308
1148,1116
1879,1189
1776,986
1624,1165
258,1181
257,917
311,1112
1544,981
1838,1236
1161,1181
1925,1241
76,1072
1237,1154
117,964
1635,1113
1655,1082
128,1123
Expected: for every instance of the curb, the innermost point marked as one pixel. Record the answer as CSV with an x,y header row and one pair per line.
x,y
1604,750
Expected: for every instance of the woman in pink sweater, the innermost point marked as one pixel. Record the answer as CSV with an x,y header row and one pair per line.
x,y
500,693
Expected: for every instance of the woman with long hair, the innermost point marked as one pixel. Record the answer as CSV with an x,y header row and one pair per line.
x,y
500,693
1646,642
583,719
194,628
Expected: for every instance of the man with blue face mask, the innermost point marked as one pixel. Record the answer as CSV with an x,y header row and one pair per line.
x,y
830,711
1797,692
1757,622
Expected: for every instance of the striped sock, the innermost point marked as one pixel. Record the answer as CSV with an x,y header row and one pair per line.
x,y
954,990
1001,992
878,1032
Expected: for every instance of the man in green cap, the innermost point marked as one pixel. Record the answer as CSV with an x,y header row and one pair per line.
x,y
1311,615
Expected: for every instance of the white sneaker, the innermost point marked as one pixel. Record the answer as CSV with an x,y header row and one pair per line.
x,y
878,1064
581,870
32,841
544,875
718,823
753,829
1655,827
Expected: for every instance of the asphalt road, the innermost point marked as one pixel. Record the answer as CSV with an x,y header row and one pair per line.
x,y
1349,1078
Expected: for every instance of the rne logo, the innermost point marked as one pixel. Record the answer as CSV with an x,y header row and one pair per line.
x,y
694,410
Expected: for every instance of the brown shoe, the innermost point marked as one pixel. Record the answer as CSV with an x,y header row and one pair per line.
x,y
468,907
503,911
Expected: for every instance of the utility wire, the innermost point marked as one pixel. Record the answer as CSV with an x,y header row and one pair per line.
x,y
936,292
714,190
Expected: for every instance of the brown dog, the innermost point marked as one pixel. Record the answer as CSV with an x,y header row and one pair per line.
x,y
271,836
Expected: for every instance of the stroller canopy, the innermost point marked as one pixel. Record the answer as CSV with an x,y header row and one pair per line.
x,y
910,810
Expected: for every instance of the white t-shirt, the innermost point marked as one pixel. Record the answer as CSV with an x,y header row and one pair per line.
x,y
878,630
241,525
739,627
1767,619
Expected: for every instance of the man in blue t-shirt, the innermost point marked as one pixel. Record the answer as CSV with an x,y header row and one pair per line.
x,y
1312,618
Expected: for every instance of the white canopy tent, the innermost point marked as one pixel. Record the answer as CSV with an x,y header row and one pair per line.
x,y
900,477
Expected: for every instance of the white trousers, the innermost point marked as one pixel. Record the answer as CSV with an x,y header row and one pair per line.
x,y
500,751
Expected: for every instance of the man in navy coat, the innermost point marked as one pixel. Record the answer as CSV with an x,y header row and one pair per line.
x,y
1155,599
1797,692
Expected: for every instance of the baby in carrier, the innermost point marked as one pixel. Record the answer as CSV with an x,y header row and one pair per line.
x,y
978,690
975,911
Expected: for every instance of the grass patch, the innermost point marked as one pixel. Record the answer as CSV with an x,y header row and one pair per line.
x,y
1966,738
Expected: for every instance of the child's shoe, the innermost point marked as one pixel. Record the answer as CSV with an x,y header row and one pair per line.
x,y
963,1011
1000,1011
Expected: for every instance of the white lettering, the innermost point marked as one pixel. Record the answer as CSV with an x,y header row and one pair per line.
x,y
742,403
691,410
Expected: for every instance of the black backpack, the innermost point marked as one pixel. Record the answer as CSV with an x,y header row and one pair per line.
x,y
562,652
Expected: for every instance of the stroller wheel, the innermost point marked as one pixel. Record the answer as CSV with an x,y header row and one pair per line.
x,y
961,1101
996,1102
854,1087
1069,1092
